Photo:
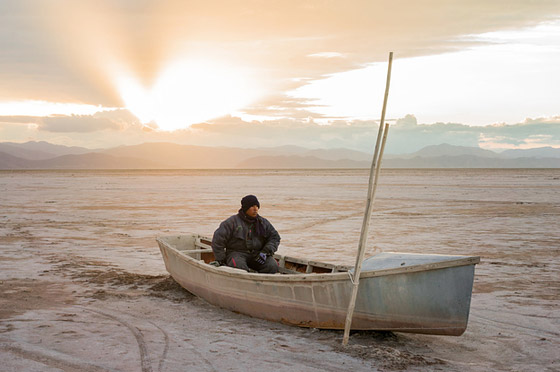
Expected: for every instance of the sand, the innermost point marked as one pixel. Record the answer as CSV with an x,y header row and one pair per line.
x,y
83,286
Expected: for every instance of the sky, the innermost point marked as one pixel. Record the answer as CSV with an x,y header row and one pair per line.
x,y
272,73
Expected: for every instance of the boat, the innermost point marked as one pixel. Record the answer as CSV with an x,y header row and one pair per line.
x,y
400,292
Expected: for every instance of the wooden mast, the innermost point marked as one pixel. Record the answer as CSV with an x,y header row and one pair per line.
x,y
373,177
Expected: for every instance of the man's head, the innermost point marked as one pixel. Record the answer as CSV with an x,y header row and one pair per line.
x,y
250,205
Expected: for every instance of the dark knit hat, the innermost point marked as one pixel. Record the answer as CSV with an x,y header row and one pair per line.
x,y
248,201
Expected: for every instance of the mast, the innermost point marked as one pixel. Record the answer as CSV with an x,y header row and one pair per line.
x,y
373,177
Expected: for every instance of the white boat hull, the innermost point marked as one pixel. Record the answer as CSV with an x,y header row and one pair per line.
x,y
432,297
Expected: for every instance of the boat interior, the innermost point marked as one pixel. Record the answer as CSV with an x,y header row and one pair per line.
x,y
288,265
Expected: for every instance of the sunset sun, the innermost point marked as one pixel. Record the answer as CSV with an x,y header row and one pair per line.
x,y
188,92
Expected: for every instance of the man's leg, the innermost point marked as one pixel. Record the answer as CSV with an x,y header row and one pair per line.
x,y
270,266
238,260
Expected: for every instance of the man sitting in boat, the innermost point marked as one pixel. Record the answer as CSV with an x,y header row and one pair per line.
x,y
246,240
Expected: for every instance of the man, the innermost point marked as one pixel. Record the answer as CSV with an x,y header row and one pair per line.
x,y
247,240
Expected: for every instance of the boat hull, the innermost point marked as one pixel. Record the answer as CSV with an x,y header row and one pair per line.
x,y
434,301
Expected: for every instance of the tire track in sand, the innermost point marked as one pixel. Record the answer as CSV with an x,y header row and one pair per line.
x,y
144,358
49,357
165,348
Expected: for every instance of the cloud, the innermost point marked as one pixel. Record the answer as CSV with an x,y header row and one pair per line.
x,y
71,51
116,120
282,106
280,132
529,134
76,123
405,135
327,55
114,128
20,119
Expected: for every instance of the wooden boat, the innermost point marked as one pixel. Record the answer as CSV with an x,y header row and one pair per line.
x,y
418,293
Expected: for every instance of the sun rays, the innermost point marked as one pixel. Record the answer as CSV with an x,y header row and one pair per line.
x,y
188,92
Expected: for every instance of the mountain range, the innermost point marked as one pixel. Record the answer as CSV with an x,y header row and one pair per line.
x,y
44,155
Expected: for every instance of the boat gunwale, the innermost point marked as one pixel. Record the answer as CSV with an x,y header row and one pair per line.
x,y
336,276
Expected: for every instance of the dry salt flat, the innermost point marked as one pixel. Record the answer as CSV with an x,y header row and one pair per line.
x,y
83,286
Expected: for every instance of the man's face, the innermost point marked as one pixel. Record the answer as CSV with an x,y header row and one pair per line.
x,y
253,211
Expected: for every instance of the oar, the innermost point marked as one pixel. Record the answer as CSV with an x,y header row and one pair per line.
x,y
373,177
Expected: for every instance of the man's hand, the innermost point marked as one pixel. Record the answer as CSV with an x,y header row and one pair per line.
x,y
261,258
268,250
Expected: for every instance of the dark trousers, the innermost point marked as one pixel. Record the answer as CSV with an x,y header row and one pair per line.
x,y
246,261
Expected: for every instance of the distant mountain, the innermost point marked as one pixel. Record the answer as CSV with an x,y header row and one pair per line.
x,y
23,152
285,150
42,155
541,152
298,162
470,161
338,154
186,156
98,161
445,149
8,161
84,161
44,148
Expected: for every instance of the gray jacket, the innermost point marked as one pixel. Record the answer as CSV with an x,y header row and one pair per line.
x,y
234,234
